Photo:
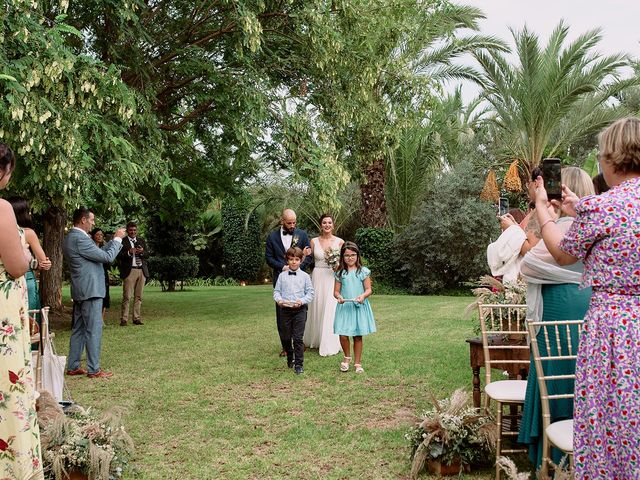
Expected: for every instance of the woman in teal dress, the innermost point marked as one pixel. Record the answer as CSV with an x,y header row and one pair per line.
x,y
561,299
354,317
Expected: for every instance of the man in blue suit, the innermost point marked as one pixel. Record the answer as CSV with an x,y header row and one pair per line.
x,y
88,289
278,242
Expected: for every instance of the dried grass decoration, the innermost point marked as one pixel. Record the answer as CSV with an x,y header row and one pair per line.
x,y
512,181
490,191
96,445
452,431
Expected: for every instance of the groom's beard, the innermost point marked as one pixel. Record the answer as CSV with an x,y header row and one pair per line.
x,y
290,232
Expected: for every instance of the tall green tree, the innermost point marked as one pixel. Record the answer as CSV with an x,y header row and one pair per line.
x,y
552,95
69,117
442,140
416,45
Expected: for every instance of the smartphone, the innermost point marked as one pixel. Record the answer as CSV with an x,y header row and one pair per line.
x,y
552,176
503,206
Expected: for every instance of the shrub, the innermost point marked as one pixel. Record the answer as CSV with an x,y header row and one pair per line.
x,y
243,249
447,240
170,269
376,247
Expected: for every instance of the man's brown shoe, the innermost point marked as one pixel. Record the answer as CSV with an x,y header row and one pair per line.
x,y
77,371
123,323
100,374
283,353
138,322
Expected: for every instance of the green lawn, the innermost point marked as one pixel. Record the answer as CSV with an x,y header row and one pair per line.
x,y
207,397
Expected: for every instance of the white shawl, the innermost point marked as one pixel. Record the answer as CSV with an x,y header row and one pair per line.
x,y
537,272
503,255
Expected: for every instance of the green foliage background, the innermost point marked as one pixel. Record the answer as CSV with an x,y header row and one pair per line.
x,y
243,252
376,247
446,243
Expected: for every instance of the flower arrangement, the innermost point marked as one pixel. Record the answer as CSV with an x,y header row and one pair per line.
x,y
95,445
492,291
451,431
332,257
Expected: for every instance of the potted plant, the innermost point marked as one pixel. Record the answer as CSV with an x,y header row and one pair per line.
x,y
82,444
451,434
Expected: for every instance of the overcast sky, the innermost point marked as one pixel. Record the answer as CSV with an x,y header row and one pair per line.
x,y
619,21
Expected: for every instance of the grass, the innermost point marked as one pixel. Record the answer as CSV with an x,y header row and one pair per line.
x,y
207,397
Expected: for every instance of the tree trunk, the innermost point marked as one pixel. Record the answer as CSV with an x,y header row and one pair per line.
x,y
374,205
51,284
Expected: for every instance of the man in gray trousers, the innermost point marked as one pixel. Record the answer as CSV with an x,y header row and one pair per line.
x,y
85,260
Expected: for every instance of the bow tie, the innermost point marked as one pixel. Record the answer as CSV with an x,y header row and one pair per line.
x,y
287,232
292,273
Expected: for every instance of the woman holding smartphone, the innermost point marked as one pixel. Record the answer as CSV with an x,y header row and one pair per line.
x,y
606,236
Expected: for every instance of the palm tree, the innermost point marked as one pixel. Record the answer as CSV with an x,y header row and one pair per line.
x,y
423,150
554,95
419,57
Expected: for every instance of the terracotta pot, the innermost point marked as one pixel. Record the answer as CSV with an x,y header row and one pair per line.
x,y
77,475
435,466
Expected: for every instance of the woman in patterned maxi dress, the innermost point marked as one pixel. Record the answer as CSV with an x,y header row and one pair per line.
x,y
606,236
20,457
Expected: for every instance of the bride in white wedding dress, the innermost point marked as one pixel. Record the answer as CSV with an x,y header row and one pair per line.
x,y
318,332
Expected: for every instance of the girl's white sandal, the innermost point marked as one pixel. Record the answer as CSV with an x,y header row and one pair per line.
x,y
359,368
344,365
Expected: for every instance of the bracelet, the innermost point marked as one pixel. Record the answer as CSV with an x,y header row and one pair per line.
x,y
547,221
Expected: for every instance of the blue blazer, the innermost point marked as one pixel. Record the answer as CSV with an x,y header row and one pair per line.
x,y
275,251
85,261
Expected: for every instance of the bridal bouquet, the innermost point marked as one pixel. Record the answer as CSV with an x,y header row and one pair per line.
x,y
332,257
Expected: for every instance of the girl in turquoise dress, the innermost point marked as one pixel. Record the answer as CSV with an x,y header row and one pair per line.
x,y
354,317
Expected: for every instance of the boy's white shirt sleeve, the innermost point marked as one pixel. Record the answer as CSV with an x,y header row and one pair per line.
x,y
277,294
309,292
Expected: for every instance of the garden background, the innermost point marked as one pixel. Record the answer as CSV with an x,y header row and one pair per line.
x,y
203,120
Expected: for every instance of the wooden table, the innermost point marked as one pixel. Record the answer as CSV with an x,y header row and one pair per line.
x,y
476,357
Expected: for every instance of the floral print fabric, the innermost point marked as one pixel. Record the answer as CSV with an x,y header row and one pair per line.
x,y
606,235
20,457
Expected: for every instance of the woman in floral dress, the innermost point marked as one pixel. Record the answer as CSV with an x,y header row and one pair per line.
x,y
20,457
606,236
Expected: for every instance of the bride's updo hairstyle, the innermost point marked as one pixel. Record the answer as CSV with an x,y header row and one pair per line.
x,y
7,160
620,145
323,216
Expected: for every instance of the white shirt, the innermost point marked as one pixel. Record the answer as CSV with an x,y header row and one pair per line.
x,y
286,239
133,255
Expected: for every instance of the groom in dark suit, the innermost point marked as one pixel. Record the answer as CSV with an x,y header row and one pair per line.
x,y
278,242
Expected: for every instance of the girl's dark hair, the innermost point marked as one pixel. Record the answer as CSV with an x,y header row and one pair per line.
x,y
95,230
21,209
343,269
7,160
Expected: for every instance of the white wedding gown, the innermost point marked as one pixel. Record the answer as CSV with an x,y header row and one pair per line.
x,y
318,332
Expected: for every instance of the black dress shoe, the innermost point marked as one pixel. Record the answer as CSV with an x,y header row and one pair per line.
x,y
123,323
137,322
290,363
298,370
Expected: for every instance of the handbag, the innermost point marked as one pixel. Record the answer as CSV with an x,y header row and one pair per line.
x,y
52,365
